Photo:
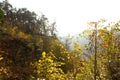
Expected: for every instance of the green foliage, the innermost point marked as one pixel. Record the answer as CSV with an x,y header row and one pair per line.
x,y
1,16
26,21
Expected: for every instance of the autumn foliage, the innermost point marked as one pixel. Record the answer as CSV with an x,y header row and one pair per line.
x,y
30,49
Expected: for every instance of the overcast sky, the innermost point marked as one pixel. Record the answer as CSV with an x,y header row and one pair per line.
x,y
72,16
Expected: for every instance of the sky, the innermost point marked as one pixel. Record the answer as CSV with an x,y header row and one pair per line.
x,y
71,16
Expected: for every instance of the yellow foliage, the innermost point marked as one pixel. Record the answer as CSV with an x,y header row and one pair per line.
x,y
13,31
1,58
47,68
43,54
23,35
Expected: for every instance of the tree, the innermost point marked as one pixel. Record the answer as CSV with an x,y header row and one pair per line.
x,y
1,16
110,42
107,50
23,37
27,21
16,58
48,69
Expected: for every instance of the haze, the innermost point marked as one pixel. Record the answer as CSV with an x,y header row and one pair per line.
x,y
72,16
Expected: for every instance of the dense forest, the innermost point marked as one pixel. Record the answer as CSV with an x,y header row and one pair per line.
x,y
31,50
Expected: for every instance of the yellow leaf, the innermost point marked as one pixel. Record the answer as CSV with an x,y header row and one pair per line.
x,y
43,54
1,58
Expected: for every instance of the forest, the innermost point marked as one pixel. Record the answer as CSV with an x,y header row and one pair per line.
x,y
31,50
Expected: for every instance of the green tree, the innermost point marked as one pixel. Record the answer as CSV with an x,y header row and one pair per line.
x,y
1,16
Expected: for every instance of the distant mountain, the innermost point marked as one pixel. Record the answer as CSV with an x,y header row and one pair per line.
x,y
69,40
